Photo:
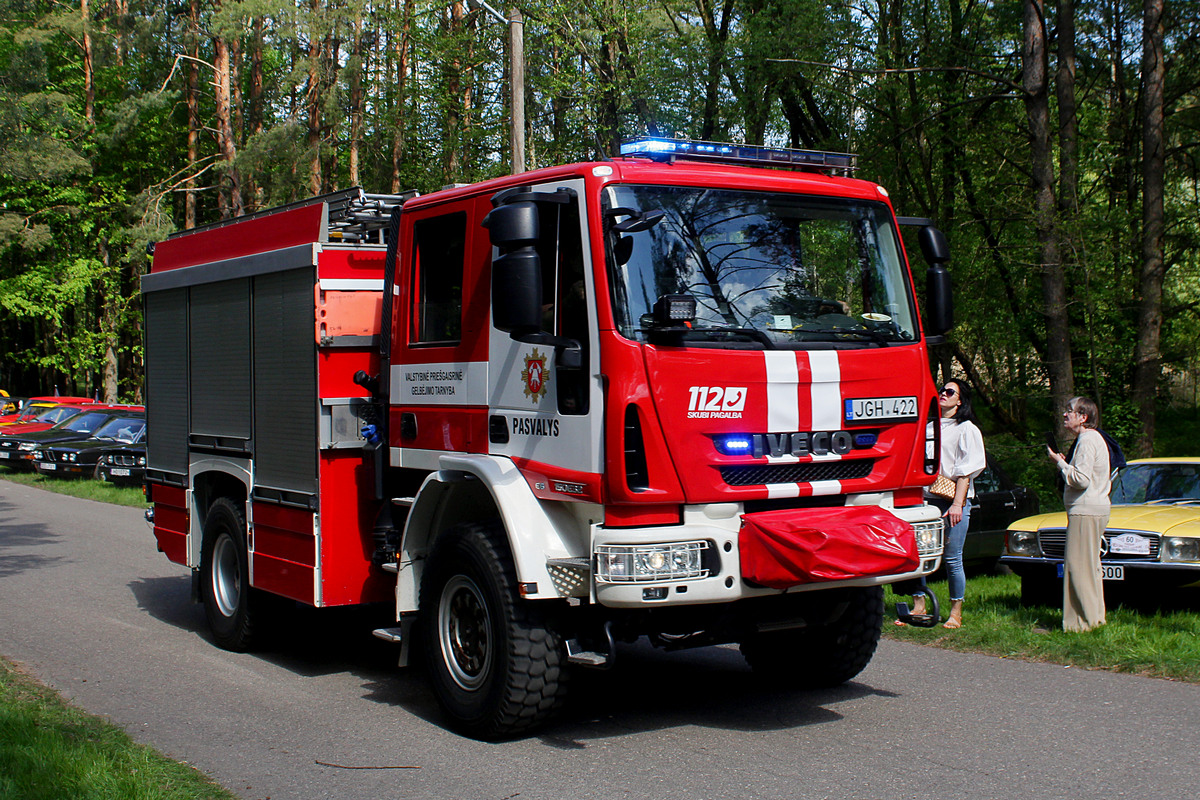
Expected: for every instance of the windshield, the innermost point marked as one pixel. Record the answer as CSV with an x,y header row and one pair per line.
x,y
83,423
122,429
55,415
771,270
1149,483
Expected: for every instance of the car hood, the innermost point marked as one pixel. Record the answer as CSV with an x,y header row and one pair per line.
x,y
1178,520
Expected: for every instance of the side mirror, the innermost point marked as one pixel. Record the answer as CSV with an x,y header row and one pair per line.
x,y
933,245
939,295
517,271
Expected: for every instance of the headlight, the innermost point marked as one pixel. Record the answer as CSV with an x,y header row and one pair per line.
x,y
1023,543
651,562
39,455
1180,548
929,537
26,447
141,461
72,456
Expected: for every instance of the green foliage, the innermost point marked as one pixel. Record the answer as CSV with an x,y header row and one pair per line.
x,y
1150,633
50,750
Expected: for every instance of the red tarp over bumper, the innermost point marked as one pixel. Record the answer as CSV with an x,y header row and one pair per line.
x,y
794,546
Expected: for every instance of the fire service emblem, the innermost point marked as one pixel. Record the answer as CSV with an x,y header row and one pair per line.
x,y
535,377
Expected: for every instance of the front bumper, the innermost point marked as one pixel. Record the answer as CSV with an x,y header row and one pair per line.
x,y
718,527
1185,573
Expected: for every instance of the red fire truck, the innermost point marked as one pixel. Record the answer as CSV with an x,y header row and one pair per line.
x,y
681,394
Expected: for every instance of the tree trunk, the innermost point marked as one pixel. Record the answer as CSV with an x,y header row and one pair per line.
x,y
192,100
402,53
355,65
109,322
1147,366
229,199
89,75
1034,68
312,101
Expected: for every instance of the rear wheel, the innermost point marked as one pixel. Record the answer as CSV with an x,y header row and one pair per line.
x,y
229,603
496,666
837,644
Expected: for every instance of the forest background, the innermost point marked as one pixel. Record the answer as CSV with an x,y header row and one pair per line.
x,y
1055,144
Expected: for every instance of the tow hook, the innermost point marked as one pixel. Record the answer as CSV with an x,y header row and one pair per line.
x,y
920,620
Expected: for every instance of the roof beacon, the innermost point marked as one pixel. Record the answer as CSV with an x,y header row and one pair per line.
x,y
661,149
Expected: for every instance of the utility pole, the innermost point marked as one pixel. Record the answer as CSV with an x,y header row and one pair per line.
x,y
516,52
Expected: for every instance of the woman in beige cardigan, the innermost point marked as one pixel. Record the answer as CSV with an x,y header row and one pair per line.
x,y
1086,499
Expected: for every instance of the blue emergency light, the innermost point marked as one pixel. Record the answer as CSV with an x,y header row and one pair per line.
x,y
660,149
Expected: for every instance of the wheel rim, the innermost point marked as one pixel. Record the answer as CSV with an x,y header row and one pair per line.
x,y
226,575
464,632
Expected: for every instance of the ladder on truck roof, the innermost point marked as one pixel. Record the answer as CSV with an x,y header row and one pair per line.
x,y
353,215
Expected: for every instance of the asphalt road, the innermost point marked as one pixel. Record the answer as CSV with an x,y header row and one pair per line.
x,y
90,608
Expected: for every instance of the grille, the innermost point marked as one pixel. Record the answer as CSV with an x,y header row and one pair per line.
x,y
10,445
1053,542
50,455
756,475
122,460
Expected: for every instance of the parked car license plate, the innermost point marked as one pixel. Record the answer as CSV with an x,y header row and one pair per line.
x,y
5,454
1108,572
120,471
47,467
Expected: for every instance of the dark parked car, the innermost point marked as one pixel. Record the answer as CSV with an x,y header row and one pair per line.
x,y
123,464
17,451
74,459
998,501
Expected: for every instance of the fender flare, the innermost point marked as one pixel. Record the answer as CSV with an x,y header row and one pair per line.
x,y
532,535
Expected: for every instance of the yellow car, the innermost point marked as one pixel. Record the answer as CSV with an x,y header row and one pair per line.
x,y
1153,533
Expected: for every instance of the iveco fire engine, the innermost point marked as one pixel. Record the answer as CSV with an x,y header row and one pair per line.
x,y
682,394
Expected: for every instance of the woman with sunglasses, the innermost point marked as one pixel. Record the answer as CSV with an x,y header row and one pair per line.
x,y
1087,477
962,458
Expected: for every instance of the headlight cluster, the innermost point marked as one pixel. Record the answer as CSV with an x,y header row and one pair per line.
x,y
38,455
617,563
1024,543
26,447
72,457
1180,548
141,461
929,537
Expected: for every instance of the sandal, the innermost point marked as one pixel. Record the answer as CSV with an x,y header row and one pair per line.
x,y
899,623
952,623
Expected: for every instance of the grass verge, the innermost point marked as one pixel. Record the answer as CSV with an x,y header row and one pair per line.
x,y
79,487
1156,636
51,750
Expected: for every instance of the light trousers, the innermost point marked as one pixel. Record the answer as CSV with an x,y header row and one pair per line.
x,y
1083,589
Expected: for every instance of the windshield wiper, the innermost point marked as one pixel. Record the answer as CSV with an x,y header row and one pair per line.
x,y
680,336
835,334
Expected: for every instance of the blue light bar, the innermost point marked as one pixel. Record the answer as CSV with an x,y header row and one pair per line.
x,y
657,147
734,445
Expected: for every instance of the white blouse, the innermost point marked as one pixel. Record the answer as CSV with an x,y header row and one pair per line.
x,y
962,451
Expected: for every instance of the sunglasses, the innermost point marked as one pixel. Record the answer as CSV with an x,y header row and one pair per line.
x,y
948,391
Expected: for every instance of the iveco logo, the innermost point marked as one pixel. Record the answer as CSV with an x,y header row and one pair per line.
x,y
817,443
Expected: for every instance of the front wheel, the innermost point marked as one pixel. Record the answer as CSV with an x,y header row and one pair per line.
x,y
838,642
496,666
229,603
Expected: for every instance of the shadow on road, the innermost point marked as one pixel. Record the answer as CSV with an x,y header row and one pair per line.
x,y
19,536
648,689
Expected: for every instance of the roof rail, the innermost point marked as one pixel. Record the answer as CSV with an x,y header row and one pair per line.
x,y
354,215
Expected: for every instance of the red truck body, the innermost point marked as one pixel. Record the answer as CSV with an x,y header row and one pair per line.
x,y
617,399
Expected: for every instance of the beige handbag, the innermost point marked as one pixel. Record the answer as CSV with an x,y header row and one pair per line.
x,y
943,487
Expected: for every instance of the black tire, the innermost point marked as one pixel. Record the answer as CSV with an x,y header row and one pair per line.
x,y
496,667
1041,591
838,643
229,603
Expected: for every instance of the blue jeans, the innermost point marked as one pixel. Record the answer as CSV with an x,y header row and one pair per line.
x,y
956,576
